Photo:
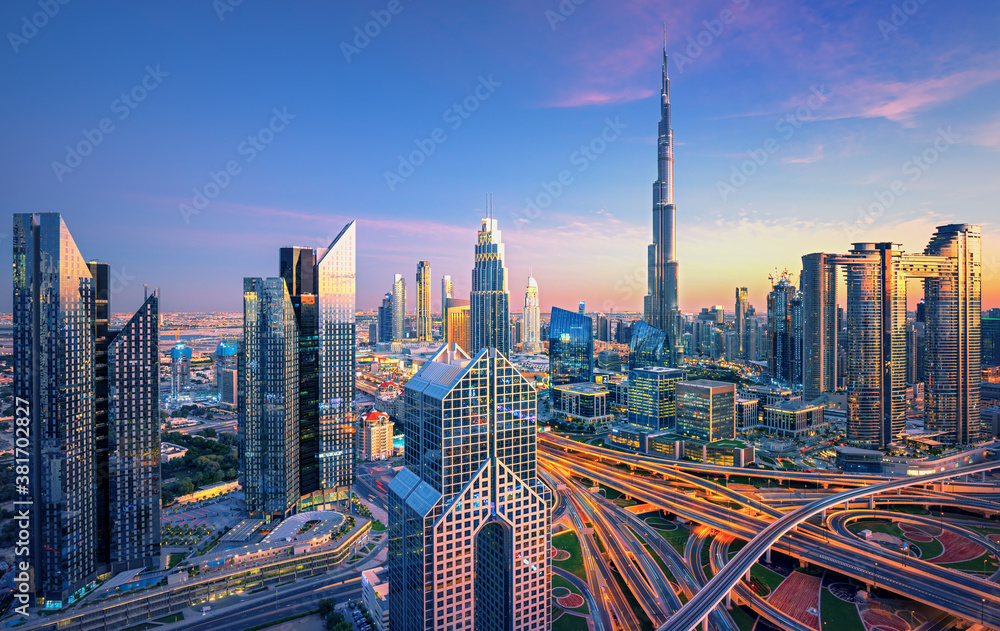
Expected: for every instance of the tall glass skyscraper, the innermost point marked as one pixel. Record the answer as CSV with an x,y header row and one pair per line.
x,y
269,399
819,326
662,309
532,318
336,277
779,329
398,308
424,322
950,267
571,349
490,298
740,324
91,394
469,521
447,291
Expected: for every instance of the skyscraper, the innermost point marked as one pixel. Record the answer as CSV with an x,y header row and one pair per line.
x,y
652,401
398,308
954,310
647,347
661,307
269,399
447,291
469,521
297,267
571,348
91,395
180,371
424,322
779,328
819,326
706,410
796,339
385,319
876,335
740,324
490,298
336,276
457,326
532,318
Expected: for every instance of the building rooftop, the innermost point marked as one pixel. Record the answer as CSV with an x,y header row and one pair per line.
x,y
584,387
708,383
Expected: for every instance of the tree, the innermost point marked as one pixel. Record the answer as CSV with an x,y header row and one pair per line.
x,y
327,606
208,432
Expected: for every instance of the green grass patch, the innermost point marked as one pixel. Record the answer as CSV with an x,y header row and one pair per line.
x,y
282,620
742,619
569,542
567,622
558,581
768,577
974,565
377,526
600,544
610,493
175,617
677,538
174,559
839,614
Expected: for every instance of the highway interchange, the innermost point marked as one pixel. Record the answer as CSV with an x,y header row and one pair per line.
x,y
807,526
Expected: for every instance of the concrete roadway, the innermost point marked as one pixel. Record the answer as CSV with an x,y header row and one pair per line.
x,y
837,554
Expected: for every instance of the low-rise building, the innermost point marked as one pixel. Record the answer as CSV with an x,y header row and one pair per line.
x,y
170,451
793,418
747,414
727,453
652,401
374,594
584,403
706,409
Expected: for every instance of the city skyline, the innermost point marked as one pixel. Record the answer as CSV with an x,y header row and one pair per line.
x,y
857,135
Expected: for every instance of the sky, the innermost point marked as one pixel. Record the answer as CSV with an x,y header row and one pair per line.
x,y
185,142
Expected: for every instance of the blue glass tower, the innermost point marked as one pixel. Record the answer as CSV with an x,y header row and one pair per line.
x,y
571,349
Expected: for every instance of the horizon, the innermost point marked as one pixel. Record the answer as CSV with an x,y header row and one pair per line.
x,y
865,126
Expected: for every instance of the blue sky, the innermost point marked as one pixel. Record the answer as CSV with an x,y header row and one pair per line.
x,y
534,83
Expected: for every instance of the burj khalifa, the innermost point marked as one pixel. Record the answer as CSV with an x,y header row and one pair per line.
x,y
661,308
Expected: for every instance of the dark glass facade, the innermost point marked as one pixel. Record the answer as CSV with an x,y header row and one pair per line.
x,y
91,396
571,348
648,346
991,341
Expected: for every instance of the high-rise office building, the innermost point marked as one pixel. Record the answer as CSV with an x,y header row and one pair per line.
x,y
447,291
990,344
779,329
269,399
92,396
647,347
469,521
385,319
876,334
706,410
571,348
398,308
582,310
662,308
796,339
457,328
652,402
740,323
531,324
224,358
180,371
424,321
819,326
490,298
953,293
336,278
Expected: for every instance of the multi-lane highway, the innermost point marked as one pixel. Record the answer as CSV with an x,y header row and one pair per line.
x,y
715,505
